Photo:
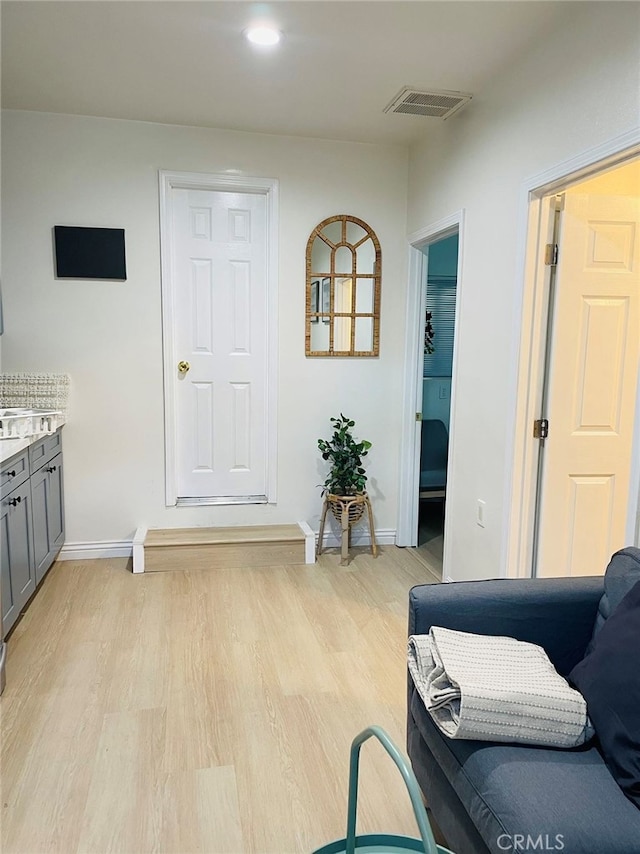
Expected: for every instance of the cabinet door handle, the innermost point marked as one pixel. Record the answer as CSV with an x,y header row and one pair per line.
x,y
14,501
52,468
11,473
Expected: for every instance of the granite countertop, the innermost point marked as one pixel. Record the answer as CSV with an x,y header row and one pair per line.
x,y
10,447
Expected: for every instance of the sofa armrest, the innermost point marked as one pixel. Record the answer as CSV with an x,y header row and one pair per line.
x,y
558,614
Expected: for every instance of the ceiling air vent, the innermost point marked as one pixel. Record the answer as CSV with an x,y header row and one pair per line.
x,y
421,102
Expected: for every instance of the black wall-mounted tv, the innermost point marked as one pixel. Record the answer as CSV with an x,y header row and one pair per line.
x,y
89,253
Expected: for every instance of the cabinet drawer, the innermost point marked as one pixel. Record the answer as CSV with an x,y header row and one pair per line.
x,y
43,450
14,472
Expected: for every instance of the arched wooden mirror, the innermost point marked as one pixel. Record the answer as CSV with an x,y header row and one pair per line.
x,y
343,289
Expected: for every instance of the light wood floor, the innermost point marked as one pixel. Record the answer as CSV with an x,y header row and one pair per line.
x,y
204,711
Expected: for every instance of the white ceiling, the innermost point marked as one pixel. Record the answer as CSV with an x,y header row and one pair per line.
x,y
338,66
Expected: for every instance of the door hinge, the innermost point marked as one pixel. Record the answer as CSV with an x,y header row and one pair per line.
x,y
540,428
551,254
418,416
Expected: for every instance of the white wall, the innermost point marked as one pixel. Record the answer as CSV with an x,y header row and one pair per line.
x,y
575,90
107,335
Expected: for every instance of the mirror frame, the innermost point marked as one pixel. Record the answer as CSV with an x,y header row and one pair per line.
x,y
375,275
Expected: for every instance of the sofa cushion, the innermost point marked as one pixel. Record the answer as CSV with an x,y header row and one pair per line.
x,y
513,789
609,680
622,573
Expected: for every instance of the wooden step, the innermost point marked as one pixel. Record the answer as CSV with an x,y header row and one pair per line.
x,y
161,550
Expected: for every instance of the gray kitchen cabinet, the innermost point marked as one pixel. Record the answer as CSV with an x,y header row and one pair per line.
x,y
18,566
14,472
44,449
48,514
32,532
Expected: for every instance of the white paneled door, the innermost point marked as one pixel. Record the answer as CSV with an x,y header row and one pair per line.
x,y
219,377
593,382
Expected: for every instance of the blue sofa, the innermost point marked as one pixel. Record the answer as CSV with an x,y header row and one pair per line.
x,y
488,797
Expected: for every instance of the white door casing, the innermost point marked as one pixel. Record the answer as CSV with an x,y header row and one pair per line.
x,y
593,381
219,275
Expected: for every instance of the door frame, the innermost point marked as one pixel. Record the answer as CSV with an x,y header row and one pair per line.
x,y
530,332
269,187
409,480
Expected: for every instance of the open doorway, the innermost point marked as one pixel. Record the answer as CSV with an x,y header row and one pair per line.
x,y
580,500
437,370
430,386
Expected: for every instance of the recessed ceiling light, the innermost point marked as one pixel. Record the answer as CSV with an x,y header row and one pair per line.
x,y
263,35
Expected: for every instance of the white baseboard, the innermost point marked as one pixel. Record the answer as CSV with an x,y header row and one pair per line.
x,y
97,550
124,548
384,537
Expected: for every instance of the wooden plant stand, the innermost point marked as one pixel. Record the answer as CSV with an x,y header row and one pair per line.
x,y
347,509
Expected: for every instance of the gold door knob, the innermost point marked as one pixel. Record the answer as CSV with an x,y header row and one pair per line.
x,y
183,367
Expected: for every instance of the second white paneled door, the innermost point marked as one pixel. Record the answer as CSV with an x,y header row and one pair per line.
x,y
218,270
593,385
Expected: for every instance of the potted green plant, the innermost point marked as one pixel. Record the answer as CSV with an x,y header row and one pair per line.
x,y
344,486
346,478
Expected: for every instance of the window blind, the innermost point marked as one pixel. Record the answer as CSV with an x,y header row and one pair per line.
x,y
441,302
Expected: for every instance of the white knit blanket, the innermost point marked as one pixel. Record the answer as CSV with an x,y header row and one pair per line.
x,y
495,689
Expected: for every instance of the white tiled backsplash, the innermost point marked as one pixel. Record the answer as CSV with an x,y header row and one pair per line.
x,y
35,391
